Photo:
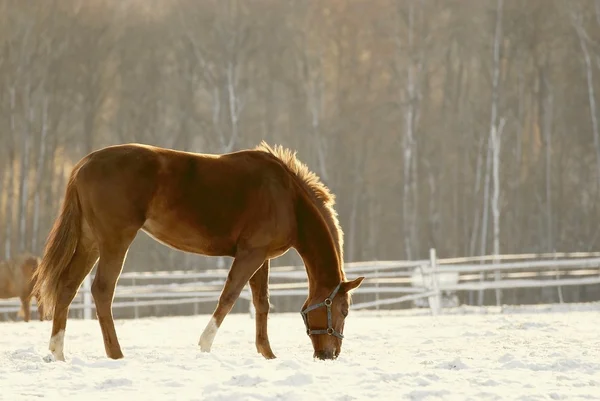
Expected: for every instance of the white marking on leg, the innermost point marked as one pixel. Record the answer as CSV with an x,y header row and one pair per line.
x,y
208,335
57,343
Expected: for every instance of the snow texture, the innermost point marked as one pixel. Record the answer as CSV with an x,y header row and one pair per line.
x,y
520,353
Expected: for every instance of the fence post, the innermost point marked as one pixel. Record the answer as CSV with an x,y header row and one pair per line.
x,y
435,301
560,294
377,286
251,308
136,312
87,298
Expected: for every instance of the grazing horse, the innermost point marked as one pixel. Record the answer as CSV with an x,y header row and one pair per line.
x,y
252,205
16,281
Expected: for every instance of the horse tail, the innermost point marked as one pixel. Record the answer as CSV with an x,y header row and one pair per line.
x,y
60,248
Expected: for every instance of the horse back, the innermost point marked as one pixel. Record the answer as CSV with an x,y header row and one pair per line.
x,y
225,200
191,201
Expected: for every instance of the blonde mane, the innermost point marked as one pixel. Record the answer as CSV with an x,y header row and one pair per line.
x,y
323,197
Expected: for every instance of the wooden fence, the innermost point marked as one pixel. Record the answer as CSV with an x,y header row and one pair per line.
x,y
387,284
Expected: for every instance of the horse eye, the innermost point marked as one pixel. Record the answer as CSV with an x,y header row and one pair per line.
x,y
345,313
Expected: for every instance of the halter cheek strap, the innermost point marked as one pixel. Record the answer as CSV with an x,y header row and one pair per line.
x,y
327,303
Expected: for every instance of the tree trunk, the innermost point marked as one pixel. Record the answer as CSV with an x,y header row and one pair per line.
x,y
24,169
41,161
578,25
492,135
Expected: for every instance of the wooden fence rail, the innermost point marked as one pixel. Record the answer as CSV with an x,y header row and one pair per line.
x,y
391,283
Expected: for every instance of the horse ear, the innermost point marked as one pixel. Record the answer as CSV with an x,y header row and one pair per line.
x,y
348,286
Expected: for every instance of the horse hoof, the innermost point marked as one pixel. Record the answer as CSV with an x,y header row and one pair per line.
x,y
264,348
269,356
208,336
204,347
53,358
116,356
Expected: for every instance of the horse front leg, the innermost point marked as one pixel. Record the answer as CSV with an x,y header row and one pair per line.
x,y
259,284
245,264
25,308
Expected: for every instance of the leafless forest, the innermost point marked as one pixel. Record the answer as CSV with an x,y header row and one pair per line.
x,y
470,126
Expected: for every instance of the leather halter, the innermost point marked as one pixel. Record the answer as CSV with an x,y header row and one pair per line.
x,y
327,303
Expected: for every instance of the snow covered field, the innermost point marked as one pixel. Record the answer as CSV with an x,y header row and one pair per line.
x,y
527,353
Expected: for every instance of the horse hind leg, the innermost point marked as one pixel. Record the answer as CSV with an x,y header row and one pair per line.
x,y
245,264
40,309
79,267
41,313
112,257
259,284
25,308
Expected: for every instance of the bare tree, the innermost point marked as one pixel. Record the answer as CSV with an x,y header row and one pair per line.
x,y
424,138
577,22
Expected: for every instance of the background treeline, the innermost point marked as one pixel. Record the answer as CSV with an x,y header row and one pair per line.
x,y
470,126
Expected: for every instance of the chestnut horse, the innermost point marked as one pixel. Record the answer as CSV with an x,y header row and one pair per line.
x,y
252,205
16,281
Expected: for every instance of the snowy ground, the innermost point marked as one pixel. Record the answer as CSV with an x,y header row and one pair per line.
x,y
536,353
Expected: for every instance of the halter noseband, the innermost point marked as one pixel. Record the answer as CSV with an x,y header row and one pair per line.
x,y
327,303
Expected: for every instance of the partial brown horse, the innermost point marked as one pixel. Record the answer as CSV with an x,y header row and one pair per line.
x,y
252,205
16,281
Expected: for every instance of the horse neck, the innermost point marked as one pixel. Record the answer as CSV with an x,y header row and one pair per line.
x,y
316,247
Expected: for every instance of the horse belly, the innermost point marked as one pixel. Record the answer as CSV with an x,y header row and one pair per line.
x,y
180,236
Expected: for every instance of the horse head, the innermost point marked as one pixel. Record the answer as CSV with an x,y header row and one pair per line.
x,y
324,315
